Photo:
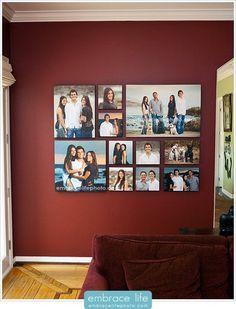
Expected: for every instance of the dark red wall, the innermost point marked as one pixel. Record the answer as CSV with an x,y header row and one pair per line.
x,y
49,223
5,37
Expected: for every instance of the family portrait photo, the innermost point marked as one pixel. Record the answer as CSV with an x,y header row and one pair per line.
x,y
182,151
148,152
74,108
147,179
110,124
80,165
110,97
120,152
163,110
181,179
120,179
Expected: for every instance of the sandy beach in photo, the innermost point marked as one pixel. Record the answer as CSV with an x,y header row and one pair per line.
x,y
166,134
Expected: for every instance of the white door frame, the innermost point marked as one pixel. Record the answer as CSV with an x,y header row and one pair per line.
x,y
7,80
219,144
223,72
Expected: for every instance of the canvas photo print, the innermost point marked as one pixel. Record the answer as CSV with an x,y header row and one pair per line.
x,y
80,165
182,151
147,179
120,179
110,124
74,108
148,152
163,110
120,152
110,97
185,179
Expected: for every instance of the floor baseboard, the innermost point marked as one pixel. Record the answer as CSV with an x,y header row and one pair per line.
x,y
52,259
227,194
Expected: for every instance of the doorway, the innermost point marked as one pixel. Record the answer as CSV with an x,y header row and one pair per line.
x,y
224,141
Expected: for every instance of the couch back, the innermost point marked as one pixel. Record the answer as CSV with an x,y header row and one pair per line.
x,y
109,251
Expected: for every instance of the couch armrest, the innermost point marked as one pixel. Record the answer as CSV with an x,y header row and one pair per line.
x,y
93,281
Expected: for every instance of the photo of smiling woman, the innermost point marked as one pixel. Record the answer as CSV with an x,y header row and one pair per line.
x,y
120,179
60,124
67,167
86,117
110,97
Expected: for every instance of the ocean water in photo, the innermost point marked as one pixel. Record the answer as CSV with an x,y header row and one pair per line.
x,y
99,182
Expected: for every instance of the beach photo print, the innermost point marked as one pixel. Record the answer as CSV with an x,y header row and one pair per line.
x,y
163,110
80,166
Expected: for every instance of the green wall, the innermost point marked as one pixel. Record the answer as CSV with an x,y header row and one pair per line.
x,y
226,86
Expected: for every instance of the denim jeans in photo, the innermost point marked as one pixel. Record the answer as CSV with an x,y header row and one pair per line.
x,y
180,124
73,132
155,121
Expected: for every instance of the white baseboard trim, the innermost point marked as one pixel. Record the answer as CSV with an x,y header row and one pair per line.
x,y
6,272
230,195
52,259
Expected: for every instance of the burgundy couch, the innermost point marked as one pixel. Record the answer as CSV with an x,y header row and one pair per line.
x,y
171,266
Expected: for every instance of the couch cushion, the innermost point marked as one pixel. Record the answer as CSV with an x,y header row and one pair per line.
x,y
110,251
171,278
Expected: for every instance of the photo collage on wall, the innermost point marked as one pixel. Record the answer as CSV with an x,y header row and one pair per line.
x,y
127,138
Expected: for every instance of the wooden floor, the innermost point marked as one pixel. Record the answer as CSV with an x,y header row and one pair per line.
x,y
44,281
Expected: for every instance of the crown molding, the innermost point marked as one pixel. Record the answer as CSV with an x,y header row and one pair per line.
x,y
7,12
168,14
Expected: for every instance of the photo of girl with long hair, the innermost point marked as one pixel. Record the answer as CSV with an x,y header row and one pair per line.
x,y
60,123
110,97
145,112
120,179
86,117
120,152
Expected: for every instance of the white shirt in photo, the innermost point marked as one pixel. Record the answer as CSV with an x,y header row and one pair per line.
x,y
72,113
178,183
181,106
76,165
153,185
152,159
106,129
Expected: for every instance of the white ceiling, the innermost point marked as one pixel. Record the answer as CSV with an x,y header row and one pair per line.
x,y
104,11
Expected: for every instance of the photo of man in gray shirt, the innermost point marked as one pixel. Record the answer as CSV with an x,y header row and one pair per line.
x,y
156,111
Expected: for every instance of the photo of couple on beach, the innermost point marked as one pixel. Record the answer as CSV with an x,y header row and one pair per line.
x,y
80,166
163,110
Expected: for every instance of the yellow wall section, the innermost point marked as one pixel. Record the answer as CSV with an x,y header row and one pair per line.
x,y
226,86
